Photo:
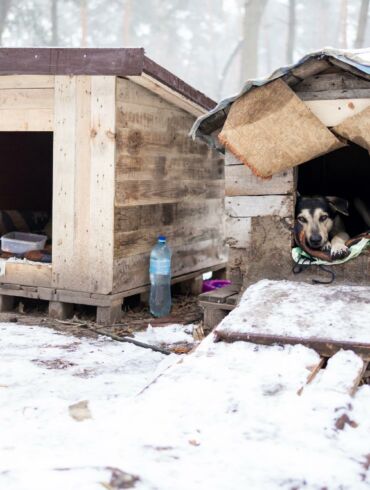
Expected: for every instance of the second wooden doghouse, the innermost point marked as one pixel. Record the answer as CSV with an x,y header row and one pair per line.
x,y
305,128
99,138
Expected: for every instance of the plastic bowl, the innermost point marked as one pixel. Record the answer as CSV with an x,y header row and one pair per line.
x,y
212,284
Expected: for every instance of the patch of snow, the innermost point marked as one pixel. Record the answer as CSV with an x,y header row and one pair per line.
x,y
170,334
226,416
302,310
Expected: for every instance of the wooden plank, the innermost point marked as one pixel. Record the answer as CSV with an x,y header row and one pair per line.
x,y
310,68
240,181
333,112
326,82
84,156
103,117
219,295
143,240
71,61
167,165
349,68
133,193
26,81
253,206
59,310
25,98
325,347
64,168
27,274
26,119
315,369
335,94
133,218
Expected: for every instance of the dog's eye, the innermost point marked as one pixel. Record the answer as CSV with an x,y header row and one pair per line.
x,y
301,219
323,218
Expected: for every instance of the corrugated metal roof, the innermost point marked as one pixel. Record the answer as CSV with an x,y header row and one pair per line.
x,y
359,59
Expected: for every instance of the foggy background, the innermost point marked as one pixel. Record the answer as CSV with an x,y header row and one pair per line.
x,y
212,44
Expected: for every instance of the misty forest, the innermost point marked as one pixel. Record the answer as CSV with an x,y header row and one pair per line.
x,y
215,45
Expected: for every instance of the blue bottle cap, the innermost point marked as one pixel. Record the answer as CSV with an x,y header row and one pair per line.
x,y
161,239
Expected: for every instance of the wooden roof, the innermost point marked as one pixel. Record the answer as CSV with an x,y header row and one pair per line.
x,y
124,62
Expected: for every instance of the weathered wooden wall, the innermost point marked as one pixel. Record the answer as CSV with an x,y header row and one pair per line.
x,y
165,184
26,103
259,218
83,191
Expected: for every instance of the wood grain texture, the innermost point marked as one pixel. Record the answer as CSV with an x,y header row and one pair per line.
x,y
240,181
325,347
26,81
252,206
165,183
27,274
24,108
84,162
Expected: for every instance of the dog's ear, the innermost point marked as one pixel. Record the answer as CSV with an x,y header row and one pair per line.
x,y
338,204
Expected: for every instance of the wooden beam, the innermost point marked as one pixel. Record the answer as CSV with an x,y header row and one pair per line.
x,y
325,347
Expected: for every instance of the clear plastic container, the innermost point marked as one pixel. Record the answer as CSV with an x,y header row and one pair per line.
x,y
17,242
160,279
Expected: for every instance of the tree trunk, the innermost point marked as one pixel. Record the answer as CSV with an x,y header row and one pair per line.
x,y
54,23
4,9
83,20
362,23
253,11
343,24
127,9
291,32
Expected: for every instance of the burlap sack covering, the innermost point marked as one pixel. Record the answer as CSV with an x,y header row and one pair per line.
x,y
270,129
356,129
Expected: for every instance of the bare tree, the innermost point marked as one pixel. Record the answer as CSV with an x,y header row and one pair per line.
x,y
291,31
54,23
127,10
253,11
4,9
83,20
362,23
343,24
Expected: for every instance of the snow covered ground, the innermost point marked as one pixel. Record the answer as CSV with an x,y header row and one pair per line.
x,y
224,417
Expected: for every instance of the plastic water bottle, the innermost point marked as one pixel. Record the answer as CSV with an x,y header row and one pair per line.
x,y
160,279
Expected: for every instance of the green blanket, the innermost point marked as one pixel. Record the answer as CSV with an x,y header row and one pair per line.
x,y
301,257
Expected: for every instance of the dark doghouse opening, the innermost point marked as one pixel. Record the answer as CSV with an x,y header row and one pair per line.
x,y
343,173
26,182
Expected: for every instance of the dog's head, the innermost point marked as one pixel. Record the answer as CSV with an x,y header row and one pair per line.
x,y
316,215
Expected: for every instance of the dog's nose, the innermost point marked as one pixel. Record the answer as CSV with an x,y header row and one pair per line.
x,y
315,240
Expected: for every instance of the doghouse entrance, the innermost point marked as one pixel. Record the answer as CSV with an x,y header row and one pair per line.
x,y
343,173
26,183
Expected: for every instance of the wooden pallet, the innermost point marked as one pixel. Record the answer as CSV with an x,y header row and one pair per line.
x,y
218,303
108,306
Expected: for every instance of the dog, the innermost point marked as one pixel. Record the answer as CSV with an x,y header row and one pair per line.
x,y
323,221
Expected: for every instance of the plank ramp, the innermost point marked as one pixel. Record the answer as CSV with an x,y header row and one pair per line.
x,y
327,319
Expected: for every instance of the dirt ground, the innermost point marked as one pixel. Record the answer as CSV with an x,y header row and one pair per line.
x,y
135,317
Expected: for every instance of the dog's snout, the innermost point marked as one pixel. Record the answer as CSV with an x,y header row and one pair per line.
x,y
315,240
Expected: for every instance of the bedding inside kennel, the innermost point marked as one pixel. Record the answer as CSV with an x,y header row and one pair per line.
x,y
26,182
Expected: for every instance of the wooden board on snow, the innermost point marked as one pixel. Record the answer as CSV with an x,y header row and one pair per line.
x,y
282,312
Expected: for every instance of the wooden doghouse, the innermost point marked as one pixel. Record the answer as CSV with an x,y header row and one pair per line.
x,y
313,119
112,156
